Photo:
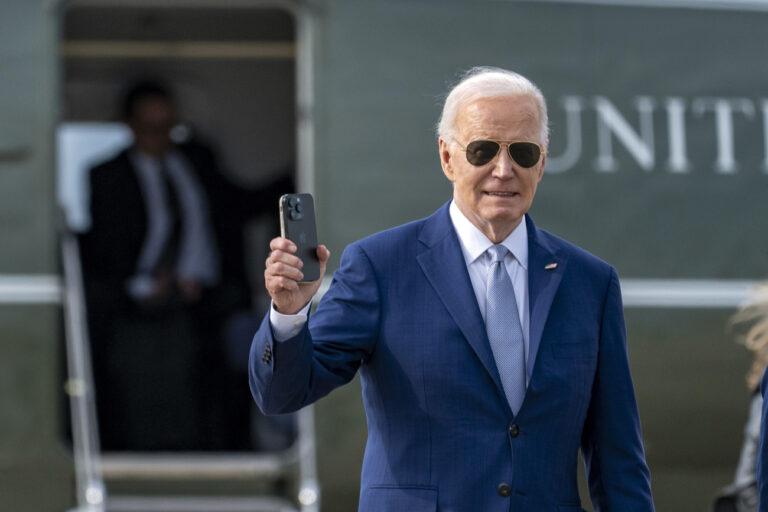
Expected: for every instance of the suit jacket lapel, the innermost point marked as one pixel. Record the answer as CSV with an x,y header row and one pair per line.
x,y
443,264
542,286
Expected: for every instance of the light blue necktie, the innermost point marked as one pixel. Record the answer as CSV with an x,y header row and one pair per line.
x,y
502,322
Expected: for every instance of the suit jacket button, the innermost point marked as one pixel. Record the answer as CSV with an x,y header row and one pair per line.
x,y
514,430
504,490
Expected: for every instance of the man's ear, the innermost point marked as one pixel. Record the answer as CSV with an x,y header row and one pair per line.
x,y
445,158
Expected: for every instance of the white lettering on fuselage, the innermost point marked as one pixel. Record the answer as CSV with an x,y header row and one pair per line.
x,y
639,140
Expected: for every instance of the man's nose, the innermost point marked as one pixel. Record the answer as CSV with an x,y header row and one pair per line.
x,y
504,168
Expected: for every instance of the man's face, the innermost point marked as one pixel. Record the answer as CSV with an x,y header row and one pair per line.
x,y
151,124
494,196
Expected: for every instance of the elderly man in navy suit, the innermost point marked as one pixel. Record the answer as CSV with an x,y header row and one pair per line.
x,y
489,350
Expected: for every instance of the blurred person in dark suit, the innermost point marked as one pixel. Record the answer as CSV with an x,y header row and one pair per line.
x,y
164,268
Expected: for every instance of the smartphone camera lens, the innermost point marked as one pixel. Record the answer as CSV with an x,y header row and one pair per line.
x,y
295,215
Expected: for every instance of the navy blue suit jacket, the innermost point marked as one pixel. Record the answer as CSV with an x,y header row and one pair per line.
x,y
441,435
762,455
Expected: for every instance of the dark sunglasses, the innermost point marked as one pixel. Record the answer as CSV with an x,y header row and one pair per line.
x,y
525,154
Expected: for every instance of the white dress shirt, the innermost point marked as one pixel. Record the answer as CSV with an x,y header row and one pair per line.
x,y
474,246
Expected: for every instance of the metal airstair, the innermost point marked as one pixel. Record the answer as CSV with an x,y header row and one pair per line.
x,y
96,471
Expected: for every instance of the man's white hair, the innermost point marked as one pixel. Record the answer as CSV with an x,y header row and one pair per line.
x,y
489,82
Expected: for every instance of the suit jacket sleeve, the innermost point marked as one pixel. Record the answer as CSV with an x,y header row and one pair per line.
x,y
287,375
98,243
110,248
619,480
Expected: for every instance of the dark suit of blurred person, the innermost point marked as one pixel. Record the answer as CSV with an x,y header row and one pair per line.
x,y
164,268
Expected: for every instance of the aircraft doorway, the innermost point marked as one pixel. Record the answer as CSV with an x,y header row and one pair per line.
x,y
230,76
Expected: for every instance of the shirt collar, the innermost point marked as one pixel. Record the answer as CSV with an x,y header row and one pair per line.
x,y
474,243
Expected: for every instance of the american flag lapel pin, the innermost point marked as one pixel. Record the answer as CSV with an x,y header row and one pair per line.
x,y
551,266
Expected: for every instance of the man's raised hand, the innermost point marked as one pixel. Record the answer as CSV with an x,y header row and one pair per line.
x,y
283,273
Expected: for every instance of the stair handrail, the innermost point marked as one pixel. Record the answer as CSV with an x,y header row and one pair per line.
x,y
89,480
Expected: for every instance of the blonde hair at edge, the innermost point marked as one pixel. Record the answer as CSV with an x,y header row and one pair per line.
x,y
750,324
489,82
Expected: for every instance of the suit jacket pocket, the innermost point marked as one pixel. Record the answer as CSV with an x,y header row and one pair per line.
x,y
398,499
573,351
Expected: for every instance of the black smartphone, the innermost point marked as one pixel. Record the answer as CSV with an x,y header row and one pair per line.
x,y
297,224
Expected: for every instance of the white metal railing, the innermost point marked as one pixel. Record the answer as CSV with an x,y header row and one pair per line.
x,y
90,490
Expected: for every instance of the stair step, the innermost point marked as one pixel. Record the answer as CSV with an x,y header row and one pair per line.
x,y
135,503
165,466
